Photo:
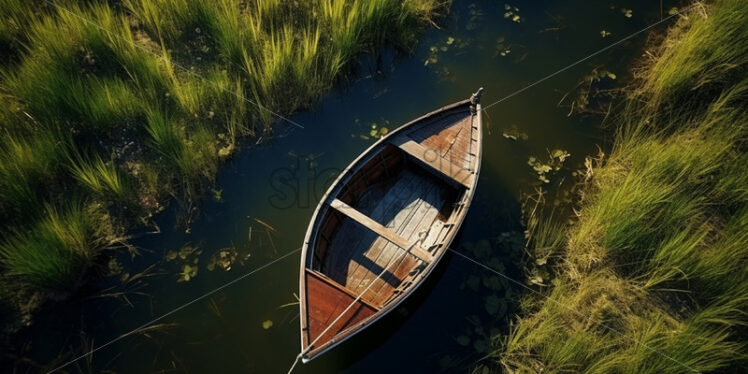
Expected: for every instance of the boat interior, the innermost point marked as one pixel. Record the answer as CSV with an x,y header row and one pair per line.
x,y
384,225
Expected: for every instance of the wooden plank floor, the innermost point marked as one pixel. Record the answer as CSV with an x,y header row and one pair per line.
x,y
358,255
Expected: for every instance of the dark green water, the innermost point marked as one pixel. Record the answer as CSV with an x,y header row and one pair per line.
x,y
445,328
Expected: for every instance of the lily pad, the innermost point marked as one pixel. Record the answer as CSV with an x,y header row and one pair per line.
x,y
492,304
480,346
512,13
514,133
188,273
473,282
267,324
463,340
493,282
223,259
560,154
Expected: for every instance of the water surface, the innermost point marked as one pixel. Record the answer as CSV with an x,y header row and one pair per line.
x,y
266,195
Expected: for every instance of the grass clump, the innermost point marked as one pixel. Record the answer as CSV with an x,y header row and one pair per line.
x,y
100,177
652,277
56,251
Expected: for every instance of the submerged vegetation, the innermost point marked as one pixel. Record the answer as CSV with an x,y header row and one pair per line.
x,y
651,277
110,107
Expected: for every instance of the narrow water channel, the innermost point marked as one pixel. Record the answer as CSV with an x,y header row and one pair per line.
x,y
265,197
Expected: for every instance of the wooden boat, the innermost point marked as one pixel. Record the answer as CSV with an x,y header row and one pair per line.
x,y
385,223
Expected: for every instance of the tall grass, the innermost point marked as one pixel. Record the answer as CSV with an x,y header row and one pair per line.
x,y
653,275
100,177
55,252
28,165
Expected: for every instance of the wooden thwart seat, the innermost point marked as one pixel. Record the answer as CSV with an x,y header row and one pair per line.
x,y
380,230
435,160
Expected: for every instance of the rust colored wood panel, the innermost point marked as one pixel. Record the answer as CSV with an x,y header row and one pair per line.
x,y
324,303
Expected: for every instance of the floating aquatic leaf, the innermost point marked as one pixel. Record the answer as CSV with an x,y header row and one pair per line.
x,y
496,264
508,294
542,168
217,194
374,133
482,248
502,308
188,273
492,304
223,259
188,251
627,12
446,361
514,133
480,346
186,258
476,14
557,158
383,131
267,324
473,282
450,40
560,154
673,11
493,282
512,13
463,340
604,33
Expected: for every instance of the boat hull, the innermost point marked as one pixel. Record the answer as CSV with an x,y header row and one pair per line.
x,y
386,222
